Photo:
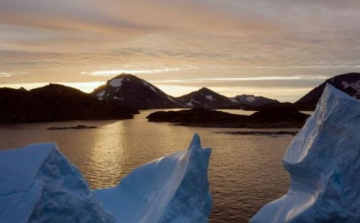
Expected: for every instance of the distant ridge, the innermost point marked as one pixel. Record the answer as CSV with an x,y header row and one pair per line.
x,y
348,83
252,100
56,103
131,91
205,98
123,95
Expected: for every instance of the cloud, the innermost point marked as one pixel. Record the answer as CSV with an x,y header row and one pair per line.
x,y
5,75
116,72
65,41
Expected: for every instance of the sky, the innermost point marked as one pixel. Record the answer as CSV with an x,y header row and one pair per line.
x,y
274,48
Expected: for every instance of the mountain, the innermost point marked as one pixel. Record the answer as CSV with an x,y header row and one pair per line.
x,y
205,98
56,103
251,100
348,83
129,90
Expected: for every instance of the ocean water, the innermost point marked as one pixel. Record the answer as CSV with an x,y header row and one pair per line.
x,y
245,170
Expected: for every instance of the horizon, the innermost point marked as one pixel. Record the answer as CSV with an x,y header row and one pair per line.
x,y
276,49
89,87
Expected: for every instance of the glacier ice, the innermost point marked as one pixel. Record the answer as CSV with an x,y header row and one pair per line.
x,y
324,164
173,188
39,184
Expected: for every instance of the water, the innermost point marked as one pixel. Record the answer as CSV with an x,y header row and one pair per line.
x,y
245,170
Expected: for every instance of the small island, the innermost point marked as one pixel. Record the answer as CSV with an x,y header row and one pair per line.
x,y
72,127
274,117
267,133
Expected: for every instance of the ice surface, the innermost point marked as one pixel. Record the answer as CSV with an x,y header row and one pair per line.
x,y
38,184
174,188
324,164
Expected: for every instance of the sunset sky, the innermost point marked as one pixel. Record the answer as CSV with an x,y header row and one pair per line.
x,y
274,48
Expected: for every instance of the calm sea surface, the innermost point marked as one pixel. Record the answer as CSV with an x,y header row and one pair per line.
x,y
245,170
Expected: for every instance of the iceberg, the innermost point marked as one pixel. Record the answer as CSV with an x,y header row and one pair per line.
x,y
324,164
39,184
173,188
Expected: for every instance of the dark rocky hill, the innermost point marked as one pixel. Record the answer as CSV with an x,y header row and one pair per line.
x,y
131,91
348,83
205,98
56,103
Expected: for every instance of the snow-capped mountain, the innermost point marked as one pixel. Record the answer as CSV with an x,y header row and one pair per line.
x,y
252,100
348,83
134,92
205,98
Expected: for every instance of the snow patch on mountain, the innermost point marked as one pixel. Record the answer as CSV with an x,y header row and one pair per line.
x,y
171,99
101,94
251,99
117,82
354,85
323,161
210,97
149,86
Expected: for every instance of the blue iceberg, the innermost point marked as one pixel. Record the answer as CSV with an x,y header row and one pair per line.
x,y
324,164
174,188
39,184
